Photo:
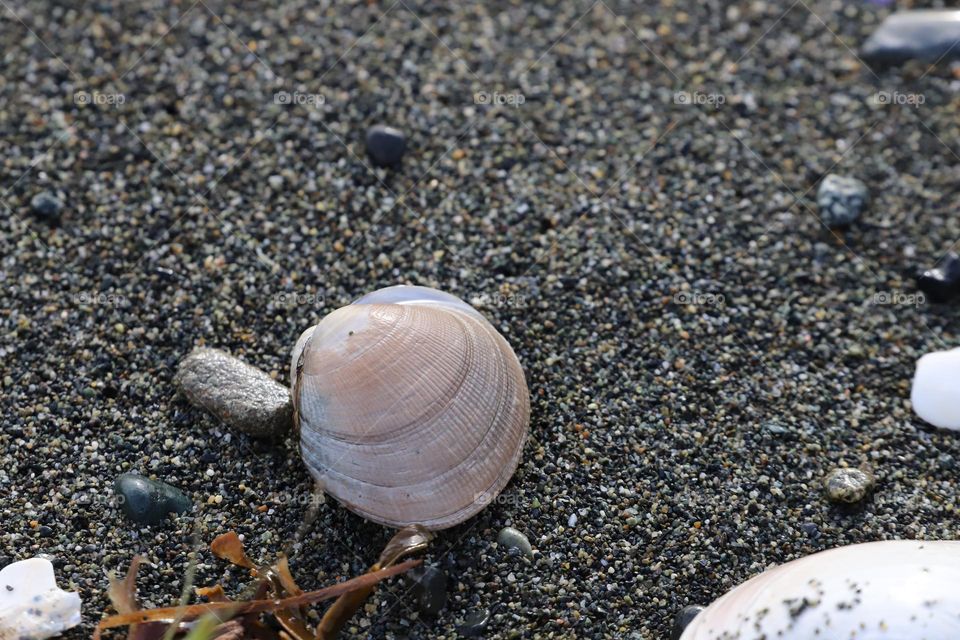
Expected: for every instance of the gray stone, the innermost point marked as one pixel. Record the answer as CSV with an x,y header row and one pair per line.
x,y
244,397
928,36
386,145
841,200
510,538
147,501
683,619
46,206
429,589
848,485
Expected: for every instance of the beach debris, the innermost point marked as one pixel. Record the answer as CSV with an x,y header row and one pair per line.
x,y
683,619
942,283
927,35
841,199
513,541
274,592
936,389
428,586
385,145
147,501
32,607
46,206
891,589
848,485
411,407
242,396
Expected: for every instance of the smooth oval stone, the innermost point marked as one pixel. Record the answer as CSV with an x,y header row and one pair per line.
x,y
429,589
46,206
942,283
683,619
510,538
929,36
242,396
936,389
147,501
385,145
848,485
841,199
475,624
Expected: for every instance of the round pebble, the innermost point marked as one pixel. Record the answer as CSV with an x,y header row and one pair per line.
x,y
942,283
147,501
848,485
46,206
386,145
841,199
514,541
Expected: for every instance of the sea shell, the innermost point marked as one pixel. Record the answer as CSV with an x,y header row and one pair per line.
x,y
936,389
412,408
32,607
894,590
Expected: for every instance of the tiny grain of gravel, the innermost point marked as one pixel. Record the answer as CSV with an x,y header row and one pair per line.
x,y
701,352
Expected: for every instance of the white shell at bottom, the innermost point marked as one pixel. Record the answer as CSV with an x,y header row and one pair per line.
x,y
936,389
896,590
31,605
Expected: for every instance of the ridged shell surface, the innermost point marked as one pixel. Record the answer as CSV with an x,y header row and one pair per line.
x,y
892,590
412,408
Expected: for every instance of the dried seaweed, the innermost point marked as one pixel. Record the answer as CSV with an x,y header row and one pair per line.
x,y
275,592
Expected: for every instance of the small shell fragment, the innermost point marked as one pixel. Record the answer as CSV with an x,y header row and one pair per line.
x,y
32,607
243,396
936,388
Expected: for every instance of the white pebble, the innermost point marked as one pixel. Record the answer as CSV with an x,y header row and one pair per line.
x,y
936,387
572,522
31,604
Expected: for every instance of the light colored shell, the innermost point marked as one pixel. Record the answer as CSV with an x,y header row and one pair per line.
x,y
891,590
412,408
31,604
936,387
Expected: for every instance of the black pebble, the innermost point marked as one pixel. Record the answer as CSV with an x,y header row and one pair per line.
x,y
386,145
46,206
146,501
429,589
811,529
45,531
942,283
475,624
683,618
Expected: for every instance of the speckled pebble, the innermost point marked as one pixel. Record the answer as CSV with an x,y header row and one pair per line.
x,y
841,199
848,485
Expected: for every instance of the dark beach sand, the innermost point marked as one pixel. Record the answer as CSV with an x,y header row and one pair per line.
x,y
689,436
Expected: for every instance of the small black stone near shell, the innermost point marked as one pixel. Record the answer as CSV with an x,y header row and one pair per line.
x,y
429,589
942,284
683,619
386,145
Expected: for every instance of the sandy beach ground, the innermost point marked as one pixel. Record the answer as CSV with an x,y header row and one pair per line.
x,y
627,190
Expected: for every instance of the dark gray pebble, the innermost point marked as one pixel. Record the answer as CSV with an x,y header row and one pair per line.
x,y
683,618
475,624
428,588
841,200
513,540
848,485
243,396
942,284
147,501
929,36
46,206
386,145
811,529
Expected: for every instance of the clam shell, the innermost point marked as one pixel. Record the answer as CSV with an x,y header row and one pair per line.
x,y
412,408
889,590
